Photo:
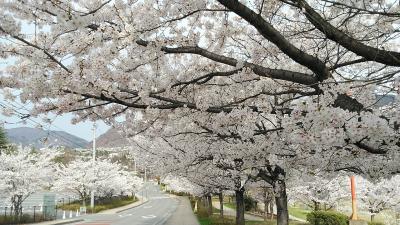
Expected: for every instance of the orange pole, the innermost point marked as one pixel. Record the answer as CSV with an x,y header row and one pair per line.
x,y
353,198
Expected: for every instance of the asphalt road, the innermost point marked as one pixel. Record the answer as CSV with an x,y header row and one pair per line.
x,y
154,212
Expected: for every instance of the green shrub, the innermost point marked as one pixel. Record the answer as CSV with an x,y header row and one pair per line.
x,y
327,218
22,219
101,204
249,203
375,223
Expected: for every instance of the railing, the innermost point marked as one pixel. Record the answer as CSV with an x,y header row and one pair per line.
x,y
32,214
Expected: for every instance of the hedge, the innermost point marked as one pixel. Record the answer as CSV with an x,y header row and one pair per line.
x,y
327,218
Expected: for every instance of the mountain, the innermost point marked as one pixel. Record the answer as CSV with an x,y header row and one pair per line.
x,y
111,139
38,138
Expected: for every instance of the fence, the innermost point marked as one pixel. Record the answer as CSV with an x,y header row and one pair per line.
x,y
31,214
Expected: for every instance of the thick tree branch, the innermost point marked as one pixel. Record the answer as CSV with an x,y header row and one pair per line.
x,y
287,75
274,36
390,58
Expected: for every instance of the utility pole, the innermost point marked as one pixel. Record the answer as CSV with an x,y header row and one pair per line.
x,y
93,165
134,165
145,174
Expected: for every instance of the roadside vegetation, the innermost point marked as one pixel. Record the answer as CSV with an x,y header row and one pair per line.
x,y
101,204
205,218
23,219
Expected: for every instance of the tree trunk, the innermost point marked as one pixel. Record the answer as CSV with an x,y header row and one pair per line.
x,y
281,202
240,207
372,217
271,210
221,204
16,205
316,206
210,207
266,208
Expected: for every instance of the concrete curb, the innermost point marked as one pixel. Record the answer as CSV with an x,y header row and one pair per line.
x,y
134,206
67,222
110,212
57,222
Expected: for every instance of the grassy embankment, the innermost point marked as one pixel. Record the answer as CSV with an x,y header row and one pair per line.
x,y
101,205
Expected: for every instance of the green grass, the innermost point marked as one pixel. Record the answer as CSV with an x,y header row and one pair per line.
x,y
230,220
230,205
205,221
299,212
216,210
109,204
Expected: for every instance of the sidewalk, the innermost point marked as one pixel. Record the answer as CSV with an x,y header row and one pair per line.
x,y
183,214
81,218
232,212
261,206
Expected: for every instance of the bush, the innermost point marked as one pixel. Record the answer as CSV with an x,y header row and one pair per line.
x,y
101,204
249,203
25,218
375,223
327,218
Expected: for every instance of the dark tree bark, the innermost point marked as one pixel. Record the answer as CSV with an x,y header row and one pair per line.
x,y
276,177
316,206
240,206
209,204
221,204
281,202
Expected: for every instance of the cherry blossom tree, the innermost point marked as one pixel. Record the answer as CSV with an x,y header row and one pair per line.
x,y
263,192
24,172
105,178
319,192
292,82
380,195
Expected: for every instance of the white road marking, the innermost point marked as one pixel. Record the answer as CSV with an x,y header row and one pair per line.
x,y
160,197
149,217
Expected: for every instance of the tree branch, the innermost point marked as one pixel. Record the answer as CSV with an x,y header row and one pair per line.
x,y
390,58
274,36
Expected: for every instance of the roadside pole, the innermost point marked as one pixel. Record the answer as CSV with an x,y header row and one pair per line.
x,y
93,165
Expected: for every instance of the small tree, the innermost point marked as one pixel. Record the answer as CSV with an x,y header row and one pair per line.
x,y
383,194
24,172
3,139
105,178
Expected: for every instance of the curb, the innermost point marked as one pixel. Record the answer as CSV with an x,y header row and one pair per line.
x,y
67,222
132,206
57,222
62,222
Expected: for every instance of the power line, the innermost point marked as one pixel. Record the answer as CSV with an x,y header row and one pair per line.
x,y
49,126
26,117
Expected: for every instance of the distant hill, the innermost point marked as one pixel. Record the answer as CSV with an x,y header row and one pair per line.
x,y
38,138
110,139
